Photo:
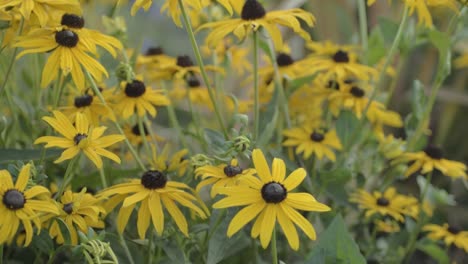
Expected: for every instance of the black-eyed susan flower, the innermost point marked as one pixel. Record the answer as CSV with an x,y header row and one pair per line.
x,y
310,141
193,88
253,17
388,203
270,198
154,192
450,235
79,211
43,10
180,68
223,175
70,44
227,53
134,135
88,104
79,137
21,205
176,163
338,62
429,159
136,98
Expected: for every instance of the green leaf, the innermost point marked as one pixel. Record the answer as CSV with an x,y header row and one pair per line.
x,y
336,245
26,154
64,230
184,117
434,251
268,121
435,195
4,24
345,126
377,48
299,82
419,99
389,29
441,41
215,139
334,182
173,251
220,246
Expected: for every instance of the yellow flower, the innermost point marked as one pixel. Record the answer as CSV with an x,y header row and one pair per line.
x,y
378,116
21,205
179,68
79,211
389,203
387,226
461,62
229,53
253,17
313,141
136,98
133,134
422,8
177,163
269,198
391,147
70,44
152,191
41,9
221,176
79,138
449,234
429,159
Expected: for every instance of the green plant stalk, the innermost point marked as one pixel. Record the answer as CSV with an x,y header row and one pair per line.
x,y
196,122
174,121
123,243
117,125
12,61
103,178
274,250
363,26
256,91
421,219
141,128
150,245
198,56
67,177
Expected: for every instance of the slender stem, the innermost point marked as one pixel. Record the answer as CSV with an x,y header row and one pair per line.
x,y
256,92
103,178
363,26
1,254
12,60
274,250
117,125
150,245
198,56
174,121
58,90
141,127
196,121
67,177
126,249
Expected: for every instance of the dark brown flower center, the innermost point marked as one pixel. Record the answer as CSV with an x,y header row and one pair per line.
x,y
252,10
153,179
72,21
135,89
68,208
383,201
273,192
333,85
357,92
433,152
66,38
83,100
136,130
77,139
232,171
184,61
14,199
284,59
341,57
193,81
154,51
317,137
453,230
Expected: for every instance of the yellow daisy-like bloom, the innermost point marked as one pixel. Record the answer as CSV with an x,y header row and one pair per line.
x,y
70,44
310,141
422,9
89,105
136,98
389,203
42,9
269,198
152,191
253,17
305,107
21,205
133,134
79,138
461,62
449,234
338,62
429,159
230,54
179,68
79,211
221,176
387,226
153,58
177,163
379,117
197,93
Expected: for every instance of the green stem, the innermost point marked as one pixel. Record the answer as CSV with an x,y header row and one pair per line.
x,y
117,125
196,122
256,92
174,121
1,254
274,250
363,26
198,56
150,245
67,177
12,60
103,178
126,249
141,127
58,90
